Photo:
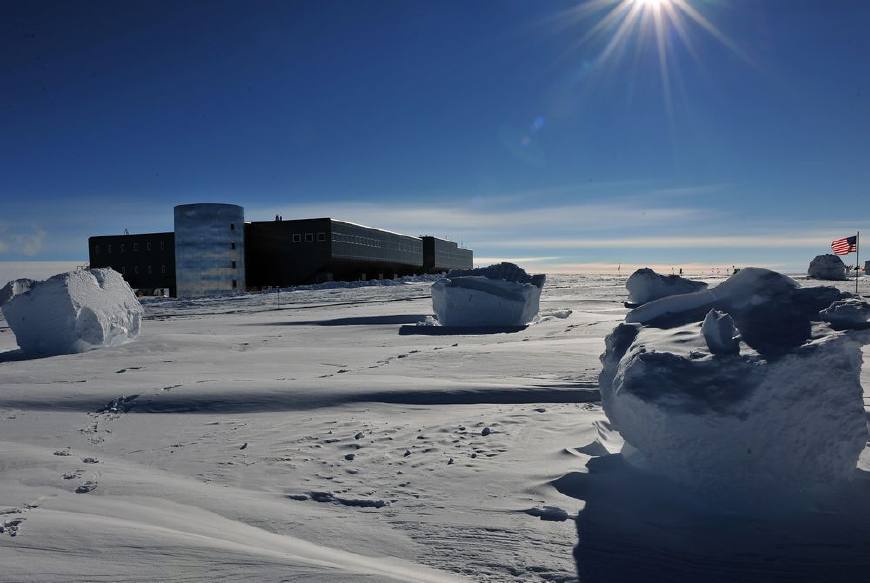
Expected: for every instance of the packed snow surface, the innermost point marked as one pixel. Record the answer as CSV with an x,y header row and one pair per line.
x,y
828,267
498,296
689,407
320,434
645,285
71,312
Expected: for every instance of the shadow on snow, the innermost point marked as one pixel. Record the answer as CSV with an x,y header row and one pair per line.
x,y
356,321
639,527
455,330
255,401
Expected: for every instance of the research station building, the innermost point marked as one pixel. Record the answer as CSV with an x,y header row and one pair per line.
x,y
212,251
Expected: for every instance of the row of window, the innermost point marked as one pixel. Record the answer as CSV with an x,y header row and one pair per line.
x,y
122,247
162,269
401,245
135,247
309,237
149,270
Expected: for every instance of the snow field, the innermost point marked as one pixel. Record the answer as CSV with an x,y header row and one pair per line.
x,y
223,436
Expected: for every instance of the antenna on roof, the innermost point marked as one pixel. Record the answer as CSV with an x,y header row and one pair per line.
x,y
126,232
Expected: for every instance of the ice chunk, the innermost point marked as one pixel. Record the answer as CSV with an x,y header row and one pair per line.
x,y
645,285
71,312
771,311
720,334
14,288
504,270
829,267
791,413
482,298
847,313
740,422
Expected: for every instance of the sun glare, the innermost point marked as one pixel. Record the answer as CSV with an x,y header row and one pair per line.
x,y
651,3
652,21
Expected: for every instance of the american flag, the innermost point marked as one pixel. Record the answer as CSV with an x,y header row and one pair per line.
x,y
845,245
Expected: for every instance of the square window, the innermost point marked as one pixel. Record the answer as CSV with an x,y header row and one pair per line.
x,y
297,238
321,237
148,245
123,247
163,269
135,246
235,284
232,245
309,237
163,245
234,264
232,226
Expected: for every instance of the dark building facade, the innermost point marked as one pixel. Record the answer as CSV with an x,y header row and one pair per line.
x,y
221,253
440,255
147,262
283,253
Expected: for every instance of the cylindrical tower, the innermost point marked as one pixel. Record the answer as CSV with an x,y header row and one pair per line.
x,y
209,249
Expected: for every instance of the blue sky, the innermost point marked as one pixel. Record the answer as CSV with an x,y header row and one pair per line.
x,y
507,125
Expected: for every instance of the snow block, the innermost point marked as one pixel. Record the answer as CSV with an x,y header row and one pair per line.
x,y
645,285
504,270
745,421
771,311
827,267
847,313
720,333
498,296
71,312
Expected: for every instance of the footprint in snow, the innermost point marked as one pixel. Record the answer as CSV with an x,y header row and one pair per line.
x,y
10,527
86,487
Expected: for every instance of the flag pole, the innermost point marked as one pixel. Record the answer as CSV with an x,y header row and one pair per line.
x,y
857,260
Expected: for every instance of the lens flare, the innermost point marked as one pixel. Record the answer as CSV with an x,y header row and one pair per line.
x,y
660,20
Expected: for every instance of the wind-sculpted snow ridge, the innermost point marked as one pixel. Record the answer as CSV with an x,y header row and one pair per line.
x,y
71,312
847,313
504,270
787,413
828,267
645,285
498,296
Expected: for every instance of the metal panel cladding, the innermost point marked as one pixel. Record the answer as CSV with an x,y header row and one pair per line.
x,y
209,249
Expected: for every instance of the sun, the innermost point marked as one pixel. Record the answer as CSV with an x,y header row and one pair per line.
x,y
657,21
654,4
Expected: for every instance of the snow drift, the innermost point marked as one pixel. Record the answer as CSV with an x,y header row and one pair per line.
x,y
498,296
847,313
691,406
645,285
71,312
771,311
828,267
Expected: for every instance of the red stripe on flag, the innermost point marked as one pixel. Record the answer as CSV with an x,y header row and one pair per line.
x,y
845,245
